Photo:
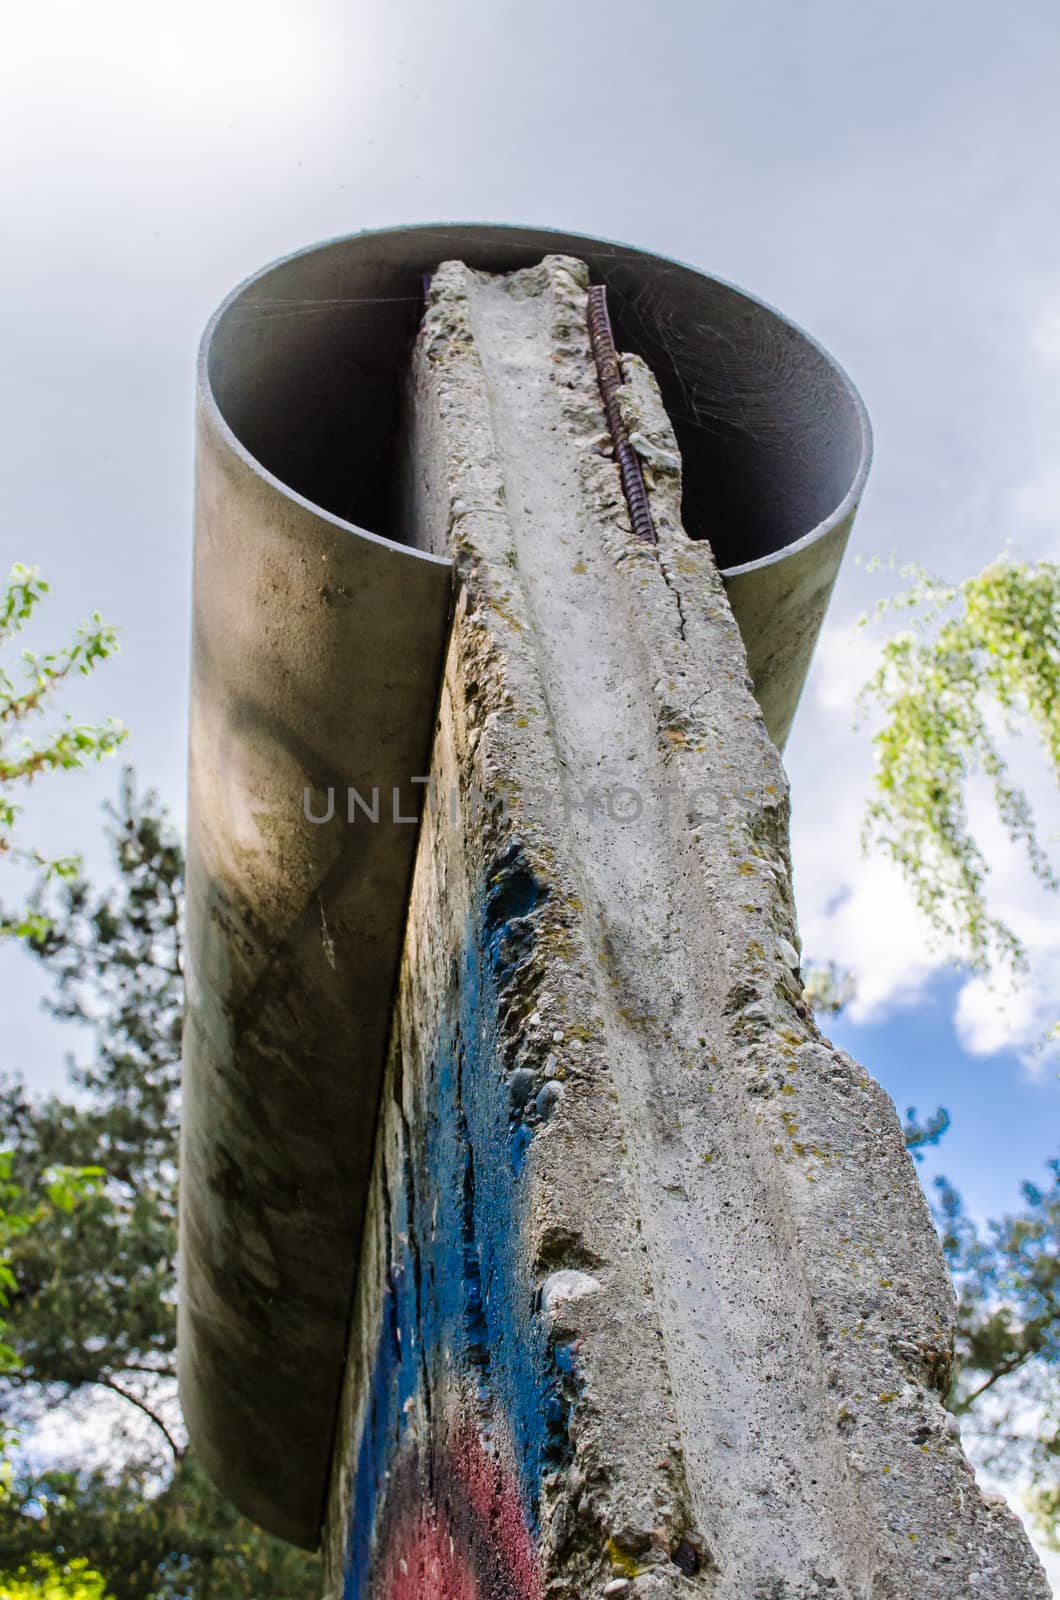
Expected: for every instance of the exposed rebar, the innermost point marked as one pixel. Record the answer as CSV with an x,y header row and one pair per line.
x,y
610,378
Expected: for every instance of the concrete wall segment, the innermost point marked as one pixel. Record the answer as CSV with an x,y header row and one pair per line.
x,y
702,1274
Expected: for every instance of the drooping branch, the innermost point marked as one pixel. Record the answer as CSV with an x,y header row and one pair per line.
x,y
105,1382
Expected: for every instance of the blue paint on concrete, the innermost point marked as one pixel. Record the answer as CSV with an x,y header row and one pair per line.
x,y
512,897
519,1144
459,1304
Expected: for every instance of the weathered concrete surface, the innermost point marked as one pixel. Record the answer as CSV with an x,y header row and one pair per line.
x,y
650,1301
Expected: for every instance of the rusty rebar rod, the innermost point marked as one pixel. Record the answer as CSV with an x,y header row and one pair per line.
x,y
610,378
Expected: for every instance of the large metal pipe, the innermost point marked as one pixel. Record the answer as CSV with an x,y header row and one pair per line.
x,y
318,644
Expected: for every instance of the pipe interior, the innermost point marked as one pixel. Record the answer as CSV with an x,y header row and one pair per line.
x,y
306,363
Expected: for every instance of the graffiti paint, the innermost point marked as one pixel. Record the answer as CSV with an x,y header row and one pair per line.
x,y
470,1395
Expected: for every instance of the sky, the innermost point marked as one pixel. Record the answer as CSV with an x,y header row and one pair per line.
x,y
885,174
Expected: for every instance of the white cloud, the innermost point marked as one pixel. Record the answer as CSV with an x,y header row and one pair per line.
x,y
875,930
845,658
853,910
1037,502
1045,336
1035,498
989,1016
997,1013
221,60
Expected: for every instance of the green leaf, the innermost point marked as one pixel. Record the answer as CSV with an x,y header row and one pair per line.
x,y
992,641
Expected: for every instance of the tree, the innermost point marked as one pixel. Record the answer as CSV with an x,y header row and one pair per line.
x,y
178,1540
983,653
1006,1380
982,657
42,1579
37,1575
12,1221
63,745
827,988
63,1188
93,1312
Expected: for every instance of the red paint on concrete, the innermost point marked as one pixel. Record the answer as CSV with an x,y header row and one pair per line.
x,y
497,1514
429,1567
476,1547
